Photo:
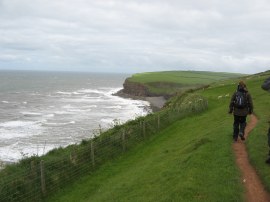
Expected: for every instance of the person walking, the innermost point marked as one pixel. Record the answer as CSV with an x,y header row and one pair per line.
x,y
240,105
266,86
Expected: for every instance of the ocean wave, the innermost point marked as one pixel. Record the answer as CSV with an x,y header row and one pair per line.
x,y
16,124
107,120
49,115
63,93
79,110
82,99
19,129
77,93
19,149
114,107
58,123
90,91
63,112
31,113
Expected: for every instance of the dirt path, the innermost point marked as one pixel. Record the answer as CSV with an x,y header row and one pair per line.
x,y
255,191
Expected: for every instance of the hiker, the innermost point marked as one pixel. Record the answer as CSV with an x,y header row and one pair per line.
x,y
266,86
241,105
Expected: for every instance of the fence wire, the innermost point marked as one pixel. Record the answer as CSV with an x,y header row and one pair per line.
x,y
34,178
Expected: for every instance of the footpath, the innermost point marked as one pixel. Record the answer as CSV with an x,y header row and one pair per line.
x,y
255,191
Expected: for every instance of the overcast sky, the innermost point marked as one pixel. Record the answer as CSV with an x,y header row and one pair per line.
x,y
135,35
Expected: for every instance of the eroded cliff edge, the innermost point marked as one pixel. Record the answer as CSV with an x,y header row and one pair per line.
x,y
141,91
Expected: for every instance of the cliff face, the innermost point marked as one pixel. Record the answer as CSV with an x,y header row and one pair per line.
x,y
135,89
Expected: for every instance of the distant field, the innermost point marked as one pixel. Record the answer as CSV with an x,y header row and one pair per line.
x,y
183,77
171,82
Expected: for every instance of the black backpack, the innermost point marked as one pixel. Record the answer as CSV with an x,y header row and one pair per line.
x,y
241,100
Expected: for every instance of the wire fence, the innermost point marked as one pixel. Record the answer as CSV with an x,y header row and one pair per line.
x,y
35,178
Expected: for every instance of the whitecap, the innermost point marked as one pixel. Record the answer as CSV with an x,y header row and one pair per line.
x,y
87,91
16,124
62,112
63,93
56,124
49,115
107,120
114,107
91,106
112,91
18,129
31,113
79,110
67,107
5,102
77,93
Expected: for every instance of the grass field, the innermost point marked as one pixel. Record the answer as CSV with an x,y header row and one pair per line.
x,y
191,160
182,77
171,82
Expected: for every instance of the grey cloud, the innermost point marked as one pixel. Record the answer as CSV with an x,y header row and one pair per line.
x,y
137,35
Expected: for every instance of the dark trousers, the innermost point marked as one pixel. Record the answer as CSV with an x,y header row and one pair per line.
x,y
239,125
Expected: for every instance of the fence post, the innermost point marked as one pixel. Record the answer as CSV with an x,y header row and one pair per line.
x,y
42,178
123,140
33,169
92,153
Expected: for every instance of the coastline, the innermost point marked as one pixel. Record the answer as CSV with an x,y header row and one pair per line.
x,y
156,103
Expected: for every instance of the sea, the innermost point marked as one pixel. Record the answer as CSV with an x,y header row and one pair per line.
x,y
40,111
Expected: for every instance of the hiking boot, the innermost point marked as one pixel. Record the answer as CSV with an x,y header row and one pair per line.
x,y
242,136
268,161
235,139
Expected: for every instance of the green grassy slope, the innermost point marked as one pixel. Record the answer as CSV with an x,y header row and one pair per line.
x,y
257,142
170,82
182,77
191,160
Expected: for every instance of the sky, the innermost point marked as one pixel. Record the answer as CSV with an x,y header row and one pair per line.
x,y
131,36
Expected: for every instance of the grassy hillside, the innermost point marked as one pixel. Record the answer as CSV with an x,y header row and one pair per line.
x,y
182,77
186,157
190,160
171,82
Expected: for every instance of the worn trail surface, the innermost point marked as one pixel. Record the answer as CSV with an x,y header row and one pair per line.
x,y
255,191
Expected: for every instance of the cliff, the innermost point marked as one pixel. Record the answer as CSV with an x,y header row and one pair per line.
x,y
135,89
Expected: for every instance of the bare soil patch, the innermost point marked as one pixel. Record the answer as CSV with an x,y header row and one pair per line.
x,y
255,191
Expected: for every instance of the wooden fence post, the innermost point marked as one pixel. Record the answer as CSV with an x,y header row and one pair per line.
x,y
42,178
92,153
123,140
33,169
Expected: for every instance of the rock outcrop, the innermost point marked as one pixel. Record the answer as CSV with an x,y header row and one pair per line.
x,y
135,89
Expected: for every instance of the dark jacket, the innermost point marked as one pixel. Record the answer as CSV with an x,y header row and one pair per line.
x,y
266,84
243,111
